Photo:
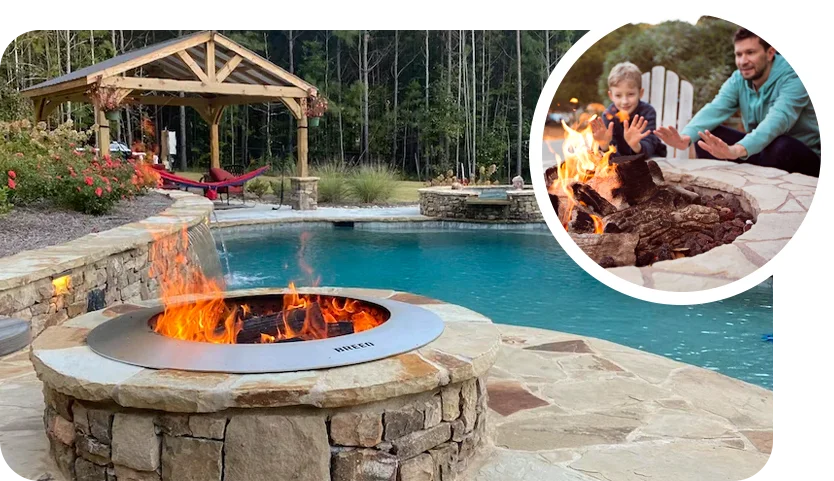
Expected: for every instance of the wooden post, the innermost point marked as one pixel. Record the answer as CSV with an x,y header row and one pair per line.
x,y
302,145
215,145
215,112
103,134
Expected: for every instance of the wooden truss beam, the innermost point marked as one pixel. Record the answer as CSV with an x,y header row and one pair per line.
x,y
227,69
188,61
190,86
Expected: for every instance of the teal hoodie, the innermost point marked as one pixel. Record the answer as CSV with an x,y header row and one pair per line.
x,y
781,106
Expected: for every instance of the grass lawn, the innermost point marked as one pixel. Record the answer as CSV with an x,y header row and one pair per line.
x,y
405,191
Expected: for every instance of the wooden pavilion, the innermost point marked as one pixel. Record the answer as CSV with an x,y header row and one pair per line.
x,y
204,70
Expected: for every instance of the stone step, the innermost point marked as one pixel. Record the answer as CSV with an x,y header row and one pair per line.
x,y
15,334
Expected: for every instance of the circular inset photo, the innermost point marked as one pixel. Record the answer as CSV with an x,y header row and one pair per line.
x,y
677,156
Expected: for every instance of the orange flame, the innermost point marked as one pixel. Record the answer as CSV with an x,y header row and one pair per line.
x,y
583,161
597,224
208,317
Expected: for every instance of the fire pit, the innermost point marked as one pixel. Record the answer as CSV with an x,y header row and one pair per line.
x,y
419,407
621,211
311,329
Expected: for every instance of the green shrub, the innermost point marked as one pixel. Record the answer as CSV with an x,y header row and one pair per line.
x,y
372,184
5,205
333,187
259,187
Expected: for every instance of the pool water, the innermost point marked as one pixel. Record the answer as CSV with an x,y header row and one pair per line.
x,y
491,193
514,277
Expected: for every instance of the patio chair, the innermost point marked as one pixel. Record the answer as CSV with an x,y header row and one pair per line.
x,y
217,174
672,99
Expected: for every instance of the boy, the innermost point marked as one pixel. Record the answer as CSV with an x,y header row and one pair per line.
x,y
628,122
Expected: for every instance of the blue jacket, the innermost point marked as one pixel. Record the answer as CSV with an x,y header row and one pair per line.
x,y
652,146
780,107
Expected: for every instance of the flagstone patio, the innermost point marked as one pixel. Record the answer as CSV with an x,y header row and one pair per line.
x,y
562,408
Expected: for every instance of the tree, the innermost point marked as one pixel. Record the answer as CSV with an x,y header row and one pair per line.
x,y
518,55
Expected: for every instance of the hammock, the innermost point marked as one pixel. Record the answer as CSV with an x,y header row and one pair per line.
x,y
239,180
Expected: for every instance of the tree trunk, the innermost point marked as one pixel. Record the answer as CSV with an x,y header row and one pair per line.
x,y
467,126
428,162
129,123
69,69
29,74
16,67
329,130
427,70
58,65
547,52
448,90
92,47
366,36
484,99
268,140
290,119
474,110
518,55
396,91
460,66
339,79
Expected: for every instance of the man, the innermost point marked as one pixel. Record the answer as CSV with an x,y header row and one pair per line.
x,y
780,124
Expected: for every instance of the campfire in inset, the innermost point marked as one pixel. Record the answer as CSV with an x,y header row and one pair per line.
x,y
621,211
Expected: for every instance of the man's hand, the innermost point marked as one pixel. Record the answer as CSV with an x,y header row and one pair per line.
x,y
718,148
671,137
633,133
602,136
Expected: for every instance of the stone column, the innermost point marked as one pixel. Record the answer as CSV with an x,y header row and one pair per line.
x,y
304,193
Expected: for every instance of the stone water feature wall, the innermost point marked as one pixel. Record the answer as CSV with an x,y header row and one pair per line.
x,y
464,204
430,436
99,270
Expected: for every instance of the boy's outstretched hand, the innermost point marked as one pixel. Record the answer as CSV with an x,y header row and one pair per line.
x,y
602,136
634,132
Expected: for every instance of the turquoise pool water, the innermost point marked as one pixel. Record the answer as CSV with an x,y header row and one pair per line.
x,y
513,277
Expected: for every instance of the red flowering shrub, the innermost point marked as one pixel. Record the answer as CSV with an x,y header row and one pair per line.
x,y
37,164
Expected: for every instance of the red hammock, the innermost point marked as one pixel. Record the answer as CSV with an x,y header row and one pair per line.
x,y
240,180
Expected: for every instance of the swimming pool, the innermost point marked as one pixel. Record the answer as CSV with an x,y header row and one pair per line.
x,y
519,277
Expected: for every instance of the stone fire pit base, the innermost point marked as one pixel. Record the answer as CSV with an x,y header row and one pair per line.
x,y
419,415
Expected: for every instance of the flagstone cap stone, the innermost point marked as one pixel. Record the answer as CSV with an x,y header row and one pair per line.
x,y
777,200
466,350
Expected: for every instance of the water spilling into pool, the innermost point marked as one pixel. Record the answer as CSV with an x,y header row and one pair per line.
x,y
519,277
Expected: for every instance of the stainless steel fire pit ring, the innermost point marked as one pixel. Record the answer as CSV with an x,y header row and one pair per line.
x,y
128,338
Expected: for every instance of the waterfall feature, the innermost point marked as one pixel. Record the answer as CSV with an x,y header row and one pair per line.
x,y
203,252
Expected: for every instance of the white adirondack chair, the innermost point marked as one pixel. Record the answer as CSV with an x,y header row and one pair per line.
x,y
672,99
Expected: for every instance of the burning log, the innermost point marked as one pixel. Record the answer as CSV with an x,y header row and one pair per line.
x,y
339,328
274,325
656,173
582,221
609,250
636,184
632,219
584,194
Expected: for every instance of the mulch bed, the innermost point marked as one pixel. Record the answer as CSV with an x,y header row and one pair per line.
x,y
34,227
